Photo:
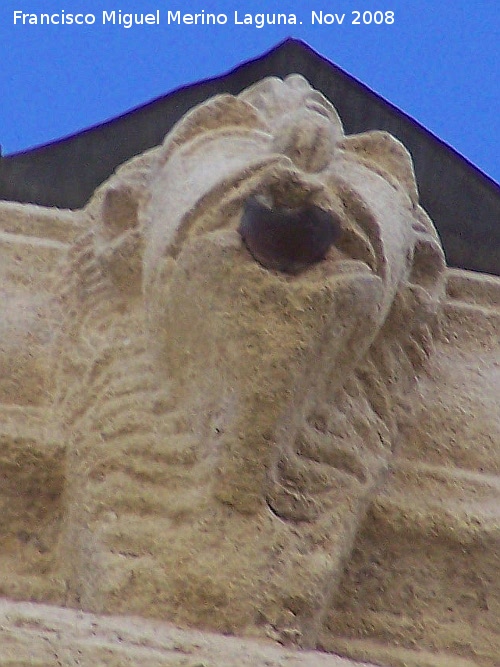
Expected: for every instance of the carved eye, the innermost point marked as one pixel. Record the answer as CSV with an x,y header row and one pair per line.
x,y
316,106
287,239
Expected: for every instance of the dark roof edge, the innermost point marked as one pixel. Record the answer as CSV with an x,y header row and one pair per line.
x,y
379,98
289,41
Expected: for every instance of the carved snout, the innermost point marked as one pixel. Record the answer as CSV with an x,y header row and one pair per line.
x,y
287,239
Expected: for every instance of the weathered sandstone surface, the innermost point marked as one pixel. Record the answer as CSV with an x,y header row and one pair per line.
x,y
36,634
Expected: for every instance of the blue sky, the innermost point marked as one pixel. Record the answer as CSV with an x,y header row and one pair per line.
x,y
438,61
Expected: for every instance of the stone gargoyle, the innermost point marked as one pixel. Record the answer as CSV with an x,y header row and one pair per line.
x,y
230,392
